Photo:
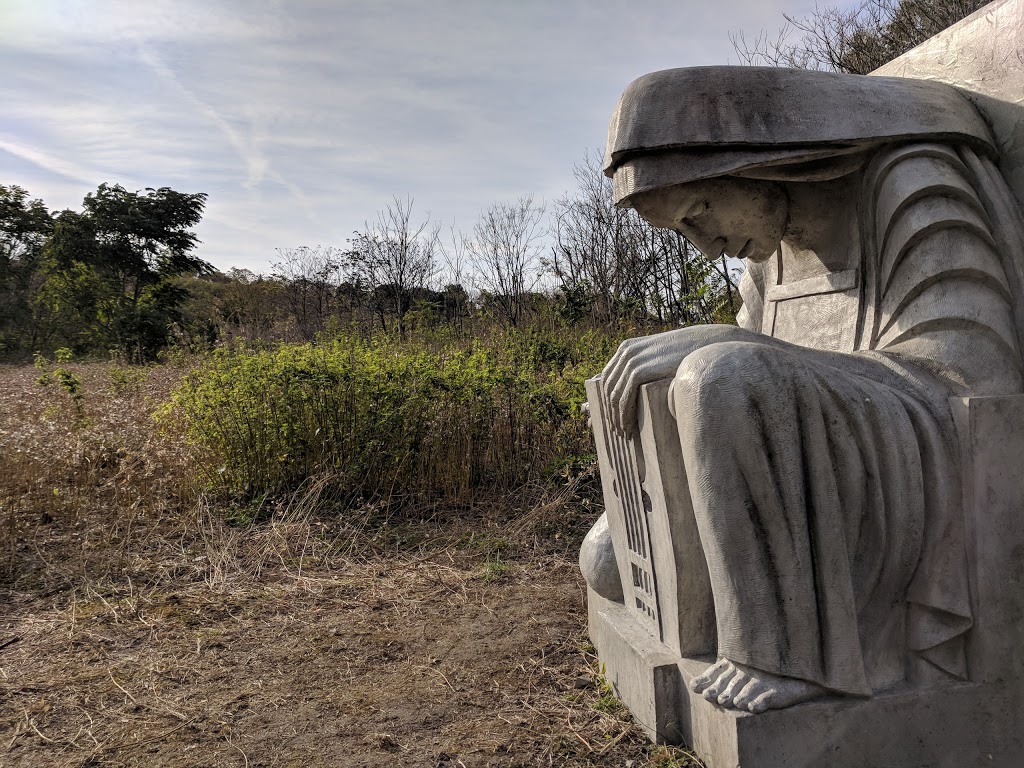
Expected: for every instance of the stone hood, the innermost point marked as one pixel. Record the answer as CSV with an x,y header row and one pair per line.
x,y
717,120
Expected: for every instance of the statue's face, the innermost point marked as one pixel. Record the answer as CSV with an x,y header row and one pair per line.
x,y
745,218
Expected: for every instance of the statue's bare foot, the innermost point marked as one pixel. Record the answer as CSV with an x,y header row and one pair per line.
x,y
736,686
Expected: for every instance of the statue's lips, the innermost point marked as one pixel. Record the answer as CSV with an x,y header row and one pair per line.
x,y
717,248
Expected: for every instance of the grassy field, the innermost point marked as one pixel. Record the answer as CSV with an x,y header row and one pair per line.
x,y
146,619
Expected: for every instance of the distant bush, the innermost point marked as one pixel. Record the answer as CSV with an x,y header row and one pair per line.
x,y
430,421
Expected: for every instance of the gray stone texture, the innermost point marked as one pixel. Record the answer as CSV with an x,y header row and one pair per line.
x,y
961,725
923,721
597,561
982,57
826,499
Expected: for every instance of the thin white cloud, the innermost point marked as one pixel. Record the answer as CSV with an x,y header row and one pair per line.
x,y
48,162
301,119
255,162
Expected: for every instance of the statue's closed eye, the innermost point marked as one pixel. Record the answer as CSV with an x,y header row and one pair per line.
x,y
694,212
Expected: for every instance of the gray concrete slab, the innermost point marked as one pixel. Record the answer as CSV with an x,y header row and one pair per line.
x,y
964,725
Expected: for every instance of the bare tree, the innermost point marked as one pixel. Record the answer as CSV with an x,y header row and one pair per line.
x,y
455,299
311,277
392,259
455,256
858,40
612,260
505,253
594,240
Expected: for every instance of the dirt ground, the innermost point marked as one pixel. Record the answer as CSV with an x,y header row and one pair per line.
x,y
435,660
137,633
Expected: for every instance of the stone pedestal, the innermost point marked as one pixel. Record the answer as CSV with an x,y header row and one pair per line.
x,y
965,725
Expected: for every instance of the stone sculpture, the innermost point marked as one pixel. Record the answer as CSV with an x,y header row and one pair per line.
x,y
788,496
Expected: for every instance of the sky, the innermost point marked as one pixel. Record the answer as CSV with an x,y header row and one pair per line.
x,y
302,119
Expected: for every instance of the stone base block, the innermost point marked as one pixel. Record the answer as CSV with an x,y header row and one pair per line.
x,y
959,725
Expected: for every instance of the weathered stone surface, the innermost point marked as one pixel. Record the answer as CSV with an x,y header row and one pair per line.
x,y
818,456
597,561
821,499
982,56
671,127
963,725
993,442
671,580
926,721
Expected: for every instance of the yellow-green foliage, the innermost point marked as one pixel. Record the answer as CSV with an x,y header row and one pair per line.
x,y
429,420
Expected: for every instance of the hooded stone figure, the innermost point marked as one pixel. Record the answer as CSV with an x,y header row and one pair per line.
x,y
883,276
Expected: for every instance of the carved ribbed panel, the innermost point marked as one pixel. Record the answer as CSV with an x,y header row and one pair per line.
x,y
631,513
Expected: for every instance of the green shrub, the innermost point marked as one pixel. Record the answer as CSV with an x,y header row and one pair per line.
x,y
437,421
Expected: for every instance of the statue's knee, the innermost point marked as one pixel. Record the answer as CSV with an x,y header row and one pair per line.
x,y
715,371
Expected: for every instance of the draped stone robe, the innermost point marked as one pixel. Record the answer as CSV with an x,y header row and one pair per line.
x,y
822,456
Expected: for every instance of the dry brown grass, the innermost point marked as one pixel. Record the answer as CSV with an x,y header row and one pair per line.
x,y
139,628
98,468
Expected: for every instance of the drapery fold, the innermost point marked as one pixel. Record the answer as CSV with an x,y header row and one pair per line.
x,y
813,514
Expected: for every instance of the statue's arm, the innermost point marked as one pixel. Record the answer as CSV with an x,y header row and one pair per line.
x,y
645,359
652,358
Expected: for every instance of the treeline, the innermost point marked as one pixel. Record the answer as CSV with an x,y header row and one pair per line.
x,y
121,276
578,261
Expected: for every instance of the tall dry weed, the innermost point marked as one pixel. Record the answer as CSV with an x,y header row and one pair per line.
x,y
96,456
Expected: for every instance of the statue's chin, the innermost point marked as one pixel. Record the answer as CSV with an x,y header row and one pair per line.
x,y
755,252
756,256
751,251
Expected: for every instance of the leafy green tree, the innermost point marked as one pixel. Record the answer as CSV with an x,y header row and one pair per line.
x,y
24,226
110,269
